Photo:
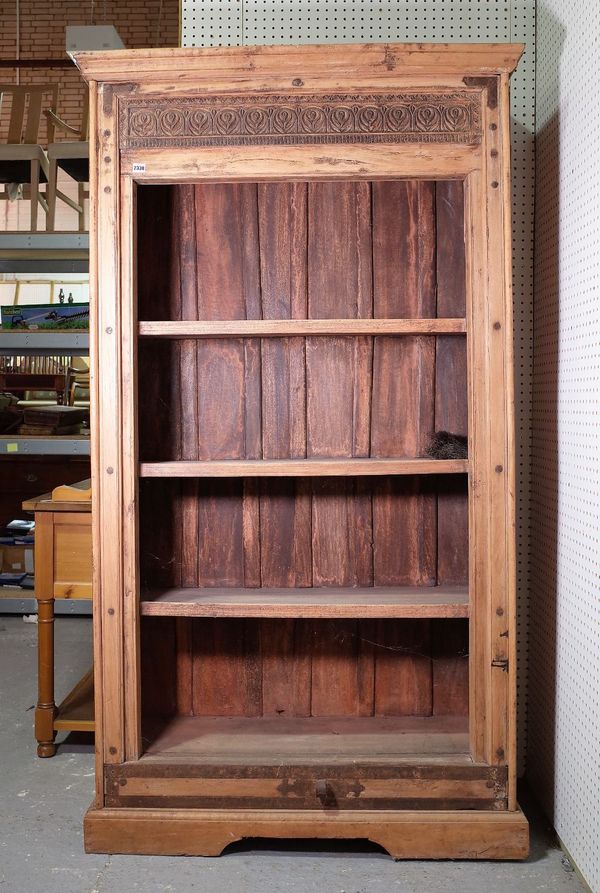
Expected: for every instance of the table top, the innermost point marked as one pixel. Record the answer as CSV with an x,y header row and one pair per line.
x,y
45,503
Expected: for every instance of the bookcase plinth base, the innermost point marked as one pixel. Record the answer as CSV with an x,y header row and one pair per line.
x,y
404,835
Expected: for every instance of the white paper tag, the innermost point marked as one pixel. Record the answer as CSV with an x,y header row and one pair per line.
x,y
138,168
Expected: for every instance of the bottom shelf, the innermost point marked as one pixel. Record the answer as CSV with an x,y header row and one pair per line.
x,y
277,740
76,712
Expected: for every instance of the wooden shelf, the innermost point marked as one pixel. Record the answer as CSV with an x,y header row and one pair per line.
x,y
76,713
264,328
381,601
301,467
312,739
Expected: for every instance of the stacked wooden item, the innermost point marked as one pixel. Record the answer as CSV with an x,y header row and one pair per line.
x,y
53,421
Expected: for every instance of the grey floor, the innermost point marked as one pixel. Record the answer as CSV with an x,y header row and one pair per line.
x,y
42,803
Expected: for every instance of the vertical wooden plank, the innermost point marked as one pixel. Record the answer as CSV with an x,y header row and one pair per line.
x,y
403,668
184,665
282,214
282,210
220,522
338,381
510,448
184,519
286,667
284,504
366,631
499,332
131,569
451,402
404,542
450,653
404,511
229,426
227,677
285,532
158,670
228,279
479,493
184,286
226,664
450,232
404,536
404,285
341,556
157,230
251,532
404,282
453,531
283,398
339,250
107,446
335,683
221,407
341,532
96,473
338,374
403,396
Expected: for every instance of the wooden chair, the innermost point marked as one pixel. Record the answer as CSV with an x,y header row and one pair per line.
x,y
72,157
23,375
23,162
78,379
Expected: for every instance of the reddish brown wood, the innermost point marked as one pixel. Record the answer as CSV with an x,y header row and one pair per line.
x,y
450,661
227,263
286,668
285,533
450,268
250,251
403,668
226,674
339,250
282,212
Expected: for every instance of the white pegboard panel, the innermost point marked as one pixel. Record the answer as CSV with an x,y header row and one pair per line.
x,y
312,21
564,729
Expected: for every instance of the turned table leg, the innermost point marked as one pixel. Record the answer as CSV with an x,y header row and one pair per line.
x,y
46,708
44,592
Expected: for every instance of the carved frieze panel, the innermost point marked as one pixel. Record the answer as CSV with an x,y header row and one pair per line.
x,y
243,120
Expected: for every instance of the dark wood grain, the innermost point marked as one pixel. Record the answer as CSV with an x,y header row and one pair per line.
x,y
449,201
227,262
450,652
403,683
286,667
282,213
451,378
291,251
227,669
285,533
404,531
339,250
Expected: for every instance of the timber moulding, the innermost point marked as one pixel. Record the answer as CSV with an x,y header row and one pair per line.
x,y
452,117
404,835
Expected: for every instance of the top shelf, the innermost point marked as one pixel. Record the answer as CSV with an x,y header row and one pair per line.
x,y
282,327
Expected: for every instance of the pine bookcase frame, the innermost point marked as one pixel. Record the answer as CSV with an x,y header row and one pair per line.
x,y
150,125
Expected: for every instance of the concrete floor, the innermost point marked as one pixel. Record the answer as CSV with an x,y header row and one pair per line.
x,y
42,803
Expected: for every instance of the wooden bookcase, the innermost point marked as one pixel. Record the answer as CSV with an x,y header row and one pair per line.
x,y
304,626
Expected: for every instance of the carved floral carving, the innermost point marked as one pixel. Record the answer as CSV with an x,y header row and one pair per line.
x,y
300,119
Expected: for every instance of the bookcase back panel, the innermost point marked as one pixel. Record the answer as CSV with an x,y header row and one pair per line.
x,y
296,397
301,250
303,532
244,667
